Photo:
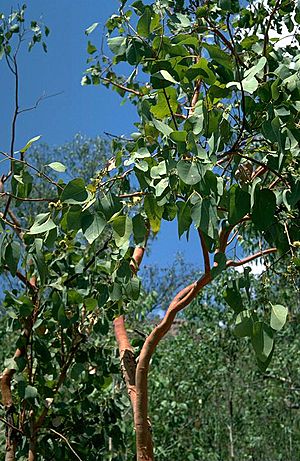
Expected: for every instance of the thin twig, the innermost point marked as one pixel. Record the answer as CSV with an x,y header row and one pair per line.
x,y
28,199
258,162
67,442
170,109
122,87
40,173
11,425
39,100
91,261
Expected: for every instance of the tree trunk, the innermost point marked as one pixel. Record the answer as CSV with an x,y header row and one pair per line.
x,y
32,449
10,433
144,444
230,428
10,454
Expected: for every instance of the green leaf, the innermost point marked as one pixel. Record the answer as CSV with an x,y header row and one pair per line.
x,y
219,265
139,228
91,29
278,316
90,303
91,49
262,340
143,25
190,172
204,215
250,84
115,292
73,218
239,204
233,298
40,260
219,55
183,217
26,306
178,136
30,392
161,186
29,143
117,45
132,288
135,51
243,324
254,70
43,223
57,166
154,212
264,365
166,99
264,208
201,70
92,226
162,127
12,256
122,227
164,75
74,192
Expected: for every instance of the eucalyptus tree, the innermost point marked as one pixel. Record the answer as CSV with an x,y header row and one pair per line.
x,y
56,355
216,148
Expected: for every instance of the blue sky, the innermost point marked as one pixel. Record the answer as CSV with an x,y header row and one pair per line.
x,y
89,110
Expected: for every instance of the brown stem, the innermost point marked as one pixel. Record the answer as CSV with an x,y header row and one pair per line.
x,y
170,109
32,449
67,443
142,427
231,263
205,253
195,96
122,87
127,359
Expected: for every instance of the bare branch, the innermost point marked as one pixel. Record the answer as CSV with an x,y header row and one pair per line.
x,y
260,254
38,101
67,443
10,425
28,199
122,87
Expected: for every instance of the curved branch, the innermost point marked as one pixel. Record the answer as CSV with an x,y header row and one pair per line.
x,y
232,263
181,300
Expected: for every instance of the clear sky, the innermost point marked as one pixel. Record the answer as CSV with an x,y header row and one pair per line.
x,y
90,110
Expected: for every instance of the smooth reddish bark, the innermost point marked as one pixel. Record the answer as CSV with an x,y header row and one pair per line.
x,y
136,375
